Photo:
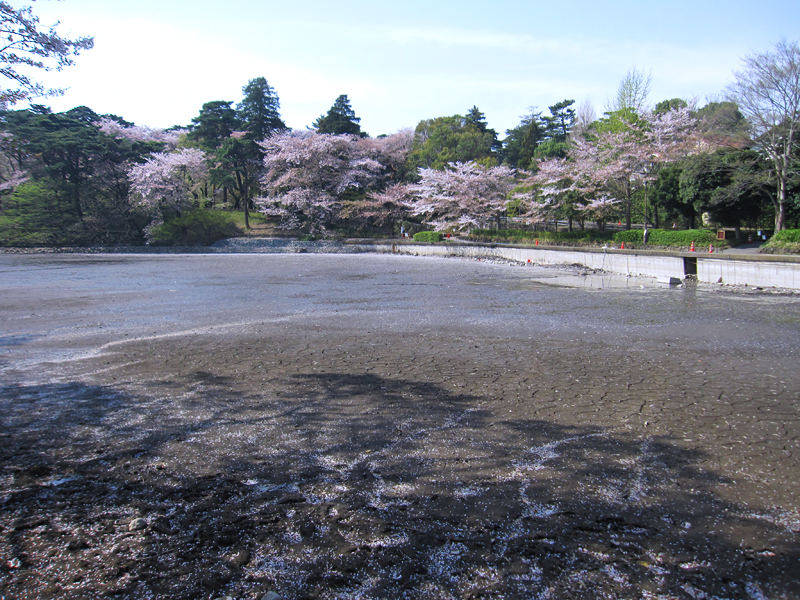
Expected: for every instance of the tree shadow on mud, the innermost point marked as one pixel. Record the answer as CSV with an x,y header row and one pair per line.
x,y
355,485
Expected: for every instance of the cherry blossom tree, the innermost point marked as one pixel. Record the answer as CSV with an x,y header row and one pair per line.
x,y
309,175
672,135
12,167
463,194
557,191
168,182
613,164
381,209
392,152
606,168
137,133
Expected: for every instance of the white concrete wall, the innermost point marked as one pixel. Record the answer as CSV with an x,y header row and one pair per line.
x,y
663,267
740,272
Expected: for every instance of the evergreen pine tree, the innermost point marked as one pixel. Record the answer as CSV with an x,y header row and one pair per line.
x,y
214,124
258,112
477,119
340,119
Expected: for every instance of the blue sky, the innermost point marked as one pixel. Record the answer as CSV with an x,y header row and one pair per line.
x,y
157,62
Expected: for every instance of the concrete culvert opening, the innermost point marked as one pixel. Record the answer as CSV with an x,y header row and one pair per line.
x,y
689,266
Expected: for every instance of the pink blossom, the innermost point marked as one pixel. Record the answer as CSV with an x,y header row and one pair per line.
x,y
136,133
382,208
168,180
14,180
605,169
307,174
463,194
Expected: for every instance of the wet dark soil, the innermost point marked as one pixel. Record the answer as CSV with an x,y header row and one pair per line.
x,y
390,427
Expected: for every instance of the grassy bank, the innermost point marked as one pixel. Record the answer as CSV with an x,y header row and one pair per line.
x,y
786,241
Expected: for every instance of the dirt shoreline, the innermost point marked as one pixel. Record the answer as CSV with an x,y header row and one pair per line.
x,y
389,427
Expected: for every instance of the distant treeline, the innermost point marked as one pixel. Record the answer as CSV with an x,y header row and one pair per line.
x,y
78,177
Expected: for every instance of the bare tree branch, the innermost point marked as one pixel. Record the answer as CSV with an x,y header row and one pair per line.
x,y
767,91
28,47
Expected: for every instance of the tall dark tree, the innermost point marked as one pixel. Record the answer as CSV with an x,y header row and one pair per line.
x,y
747,188
443,140
521,141
238,163
671,104
540,136
561,120
723,124
340,119
77,170
477,119
665,194
557,126
239,158
215,123
25,46
731,184
259,111
65,147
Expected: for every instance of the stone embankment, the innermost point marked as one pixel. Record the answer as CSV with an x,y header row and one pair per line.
x,y
667,266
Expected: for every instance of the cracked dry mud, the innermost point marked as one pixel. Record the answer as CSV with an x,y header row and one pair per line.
x,y
391,427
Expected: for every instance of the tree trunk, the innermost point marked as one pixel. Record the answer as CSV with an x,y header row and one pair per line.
x,y
76,202
780,217
780,206
246,210
628,204
628,214
241,183
570,224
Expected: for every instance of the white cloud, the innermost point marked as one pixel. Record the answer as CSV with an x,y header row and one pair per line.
x,y
164,78
160,74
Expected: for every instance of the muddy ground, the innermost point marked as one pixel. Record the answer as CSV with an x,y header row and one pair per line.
x,y
391,427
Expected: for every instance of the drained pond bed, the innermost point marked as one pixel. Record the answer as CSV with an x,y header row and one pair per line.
x,y
360,426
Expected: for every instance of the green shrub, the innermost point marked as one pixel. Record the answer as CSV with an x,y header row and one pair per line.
x,y
33,215
656,237
786,241
669,237
199,227
428,236
631,236
586,236
791,236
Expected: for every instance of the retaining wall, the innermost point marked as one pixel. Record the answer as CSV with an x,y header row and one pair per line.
x,y
757,271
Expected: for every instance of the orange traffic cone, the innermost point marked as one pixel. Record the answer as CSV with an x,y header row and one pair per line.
x,y
536,242
691,248
622,246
